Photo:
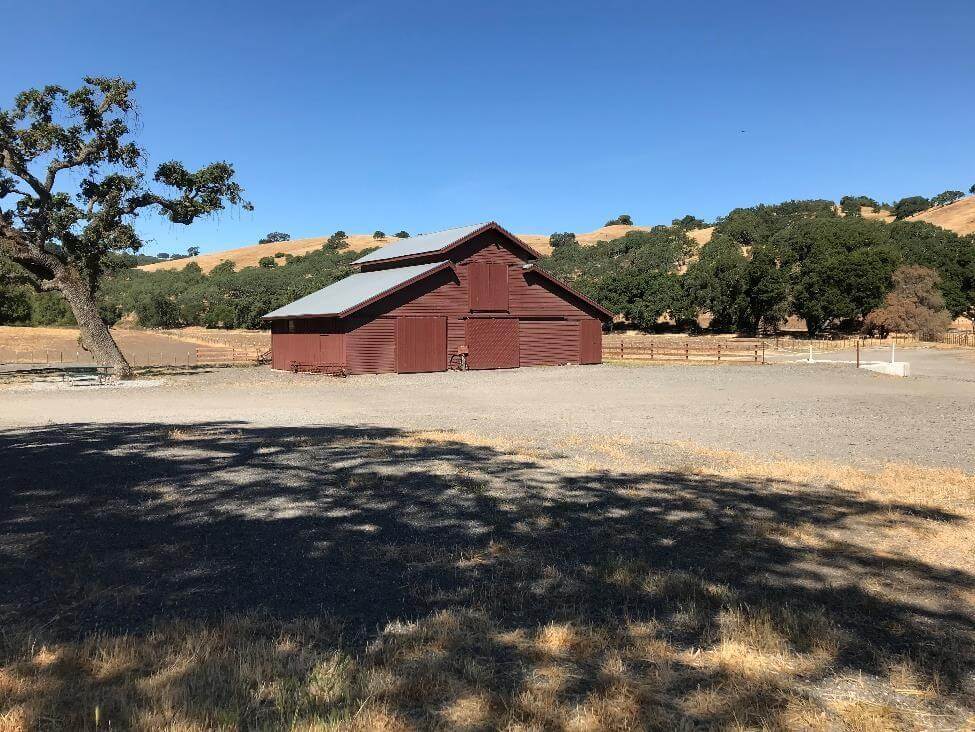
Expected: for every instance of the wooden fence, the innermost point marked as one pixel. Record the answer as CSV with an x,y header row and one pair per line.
x,y
820,345
965,339
712,351
200,355
223,355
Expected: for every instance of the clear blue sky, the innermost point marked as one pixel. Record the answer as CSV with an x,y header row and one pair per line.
x,y
542,116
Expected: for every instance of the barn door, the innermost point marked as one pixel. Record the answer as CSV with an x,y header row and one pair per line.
x,y
492,343
591,341
421,344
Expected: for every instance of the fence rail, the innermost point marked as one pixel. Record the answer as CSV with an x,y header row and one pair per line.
x,y
659,350
202,355
959,339
218,355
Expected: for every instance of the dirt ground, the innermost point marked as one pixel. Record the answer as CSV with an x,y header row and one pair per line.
x,y
826,412
141,347
613,547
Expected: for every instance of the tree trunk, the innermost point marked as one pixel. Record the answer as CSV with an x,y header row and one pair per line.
x,y
95,336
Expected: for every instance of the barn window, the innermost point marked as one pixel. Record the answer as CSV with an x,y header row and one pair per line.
x,y
488,286
291,326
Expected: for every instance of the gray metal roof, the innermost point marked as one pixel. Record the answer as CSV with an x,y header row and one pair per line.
x,y
354,290
420,244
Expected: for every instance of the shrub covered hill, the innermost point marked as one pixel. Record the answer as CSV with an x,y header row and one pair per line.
x,y
829,265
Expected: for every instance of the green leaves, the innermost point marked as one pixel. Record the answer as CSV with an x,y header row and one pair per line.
x,y
52,130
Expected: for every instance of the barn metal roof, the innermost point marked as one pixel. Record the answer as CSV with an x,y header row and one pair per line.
x,y
421,244
354,291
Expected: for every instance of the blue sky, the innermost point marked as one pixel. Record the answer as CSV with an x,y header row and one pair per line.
x,y
542,116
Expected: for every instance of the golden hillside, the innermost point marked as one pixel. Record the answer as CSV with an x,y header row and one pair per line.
x,y
958,217
248,256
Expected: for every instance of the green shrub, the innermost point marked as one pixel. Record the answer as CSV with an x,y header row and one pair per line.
x,y
562,238
910,206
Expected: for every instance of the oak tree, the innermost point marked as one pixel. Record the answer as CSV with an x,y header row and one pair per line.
x,y
73,184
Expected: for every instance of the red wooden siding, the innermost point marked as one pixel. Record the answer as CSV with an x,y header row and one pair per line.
x,y
590,342
331,349
549,342
289,347
299,340
421,344
493,343
488,286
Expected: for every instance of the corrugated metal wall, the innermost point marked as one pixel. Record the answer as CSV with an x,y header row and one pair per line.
x,y
370,346
549,342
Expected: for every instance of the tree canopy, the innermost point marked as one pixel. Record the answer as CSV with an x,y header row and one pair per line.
x,y
914,305
910,206
62,232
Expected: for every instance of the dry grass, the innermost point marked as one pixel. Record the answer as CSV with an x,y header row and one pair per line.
x,y
713,655
958,216
249,256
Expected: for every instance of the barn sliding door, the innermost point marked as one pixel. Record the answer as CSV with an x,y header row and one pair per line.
x,y
421,344
492,343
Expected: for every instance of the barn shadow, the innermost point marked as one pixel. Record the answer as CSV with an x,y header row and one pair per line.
x,y
115,529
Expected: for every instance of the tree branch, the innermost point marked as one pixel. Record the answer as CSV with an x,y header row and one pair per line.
x,y
31,256
37,285
16,166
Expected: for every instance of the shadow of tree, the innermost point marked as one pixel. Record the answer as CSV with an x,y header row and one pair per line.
x,y
491,567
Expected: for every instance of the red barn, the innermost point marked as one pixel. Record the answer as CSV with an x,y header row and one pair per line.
x,y
470,295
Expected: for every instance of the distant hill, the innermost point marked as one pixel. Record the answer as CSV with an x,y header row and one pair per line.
x,y
250,255
958,217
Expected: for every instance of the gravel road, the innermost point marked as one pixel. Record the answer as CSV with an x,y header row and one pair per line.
x,y
793,410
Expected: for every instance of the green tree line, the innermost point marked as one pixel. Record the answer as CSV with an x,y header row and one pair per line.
x,y
222,298
763,264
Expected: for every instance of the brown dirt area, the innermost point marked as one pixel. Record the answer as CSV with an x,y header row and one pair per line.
x,y
57,345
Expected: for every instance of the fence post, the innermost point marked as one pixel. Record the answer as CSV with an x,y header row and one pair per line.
x,y
763,353
719,353
858,353
621,348
651,350
687,356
